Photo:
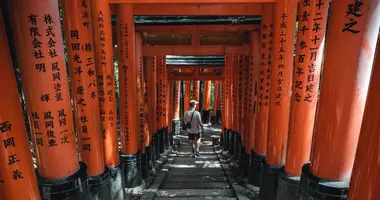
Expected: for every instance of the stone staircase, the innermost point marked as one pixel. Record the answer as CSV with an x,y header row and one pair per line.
x,y
184,177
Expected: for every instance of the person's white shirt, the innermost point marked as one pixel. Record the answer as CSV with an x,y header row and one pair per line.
x,y
195,122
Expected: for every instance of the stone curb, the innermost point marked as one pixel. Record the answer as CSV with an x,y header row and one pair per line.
x,y
252,191
164,165
239,190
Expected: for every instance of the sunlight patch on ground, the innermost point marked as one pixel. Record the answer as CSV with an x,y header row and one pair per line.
x,y
201,166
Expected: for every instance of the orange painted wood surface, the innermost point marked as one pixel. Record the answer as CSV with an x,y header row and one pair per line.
x,y
152,93
263,86
176,100
129,128
82,70
342,100
253,72
230,9
207,95
142,107
39,48
227,92
217,97
308,62
16,166
102,34
365,174
285,12
191,1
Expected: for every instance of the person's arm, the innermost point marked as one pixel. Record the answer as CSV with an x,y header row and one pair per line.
x,y
203,129
200,122
185,120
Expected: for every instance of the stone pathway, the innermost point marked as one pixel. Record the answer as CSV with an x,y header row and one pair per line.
x,y
184,177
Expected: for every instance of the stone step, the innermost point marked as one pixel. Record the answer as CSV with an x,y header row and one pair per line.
x,y
201,159
201,148
195,193
187,155
211,171
197,198
171,178
203,153
196,173
195,185
196,166
197,161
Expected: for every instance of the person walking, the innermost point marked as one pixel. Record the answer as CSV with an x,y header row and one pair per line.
x,y
192,119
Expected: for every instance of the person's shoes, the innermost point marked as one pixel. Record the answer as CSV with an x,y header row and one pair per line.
x,y
197,153
193,156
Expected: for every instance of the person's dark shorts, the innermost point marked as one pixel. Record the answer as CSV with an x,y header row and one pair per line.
x,y
194,136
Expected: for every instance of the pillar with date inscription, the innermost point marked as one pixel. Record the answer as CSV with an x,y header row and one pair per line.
x,y
351,43
284,17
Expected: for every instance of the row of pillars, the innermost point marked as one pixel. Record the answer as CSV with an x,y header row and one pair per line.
x,y
65,112
297,131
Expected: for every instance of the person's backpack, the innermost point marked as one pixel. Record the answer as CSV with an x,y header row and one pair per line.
x,y
187,125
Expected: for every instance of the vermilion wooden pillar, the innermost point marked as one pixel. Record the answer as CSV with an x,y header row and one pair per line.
x,y
144,132
104,63
246,122
235,73
39,47
175,122
84,85
236,106
307,64
262,115
365,174
263,95
206,106
170,103
240,114
343,94
215,116
312,24
153,103
102,34
176,101
252,79
227,104
167,104
196,92
281,78
129,116
16,166
149,148
161,107
152,94
142,108
159,91
221,104
207,95
187,94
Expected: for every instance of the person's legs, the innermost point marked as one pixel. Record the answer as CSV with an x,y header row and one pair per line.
x,y
197,144
193,143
